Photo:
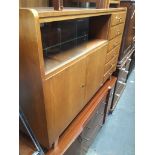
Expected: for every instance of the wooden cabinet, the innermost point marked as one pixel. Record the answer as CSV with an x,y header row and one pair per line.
x,y
129,29
58,77
95,71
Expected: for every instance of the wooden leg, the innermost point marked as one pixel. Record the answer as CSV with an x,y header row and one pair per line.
x,y
55,143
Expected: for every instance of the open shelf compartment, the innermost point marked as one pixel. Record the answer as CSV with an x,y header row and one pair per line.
x,y
65,41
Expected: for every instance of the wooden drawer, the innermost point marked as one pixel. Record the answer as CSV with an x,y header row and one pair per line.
x,y
97,116
108,66
110,56
127,65
118,18
123,75
114,52
108,74
115,60
111,64
116,30
87,139
114,42
93,126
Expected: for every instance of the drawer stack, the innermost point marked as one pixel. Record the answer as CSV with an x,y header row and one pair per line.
x,y
85,139
115,37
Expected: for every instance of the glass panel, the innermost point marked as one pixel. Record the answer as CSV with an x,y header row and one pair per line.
x,y
60,36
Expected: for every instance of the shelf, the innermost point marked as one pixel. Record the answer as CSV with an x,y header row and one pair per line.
x,y
59,60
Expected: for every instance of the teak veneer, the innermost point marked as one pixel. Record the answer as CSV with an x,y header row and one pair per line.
x,y
54,90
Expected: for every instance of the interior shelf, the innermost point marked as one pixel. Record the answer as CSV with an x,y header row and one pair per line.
x,y
58,60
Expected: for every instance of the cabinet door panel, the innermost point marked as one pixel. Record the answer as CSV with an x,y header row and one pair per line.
x,y
67,94
95,71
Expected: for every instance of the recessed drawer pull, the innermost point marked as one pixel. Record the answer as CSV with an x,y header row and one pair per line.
x,y
118,95
87,127
118,32
84,149
82,86
101,113
100,125
122,69
119,18
126,72
86,139
121,82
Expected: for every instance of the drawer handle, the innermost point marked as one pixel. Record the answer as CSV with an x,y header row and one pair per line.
x,y
87,127
86,139
82,86
118,18
118,95
101,113
121,82
118,32
100,125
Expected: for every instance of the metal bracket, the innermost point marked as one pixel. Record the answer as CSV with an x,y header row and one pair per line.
x,y
31,134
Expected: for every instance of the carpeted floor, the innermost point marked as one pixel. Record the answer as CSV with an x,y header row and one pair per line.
x,y
117,136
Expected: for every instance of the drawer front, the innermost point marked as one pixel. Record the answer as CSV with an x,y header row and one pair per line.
x,y
120,87
115,60
114,42
111,64
88,139
93,126
127,65
123,75
108,66
116,30
110,56
114,52
108,73
118,18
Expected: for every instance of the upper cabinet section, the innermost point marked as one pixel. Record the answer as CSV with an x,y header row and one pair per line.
x,y
64,36
64,41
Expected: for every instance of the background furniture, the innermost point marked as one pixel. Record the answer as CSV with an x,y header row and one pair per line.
x,y
34,3
98,4
126,60
129,30
114,3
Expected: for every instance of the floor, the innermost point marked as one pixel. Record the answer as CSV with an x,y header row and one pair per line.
x,y
117,135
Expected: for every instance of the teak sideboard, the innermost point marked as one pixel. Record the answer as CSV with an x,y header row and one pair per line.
x,y
55,88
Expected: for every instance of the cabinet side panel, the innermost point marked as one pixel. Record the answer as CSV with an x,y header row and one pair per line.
x,y
30,75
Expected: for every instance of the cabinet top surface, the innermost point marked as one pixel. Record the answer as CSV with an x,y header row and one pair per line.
x,y
49,11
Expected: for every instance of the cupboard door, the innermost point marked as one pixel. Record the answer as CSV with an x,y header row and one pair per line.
x,y
67,91
95,71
